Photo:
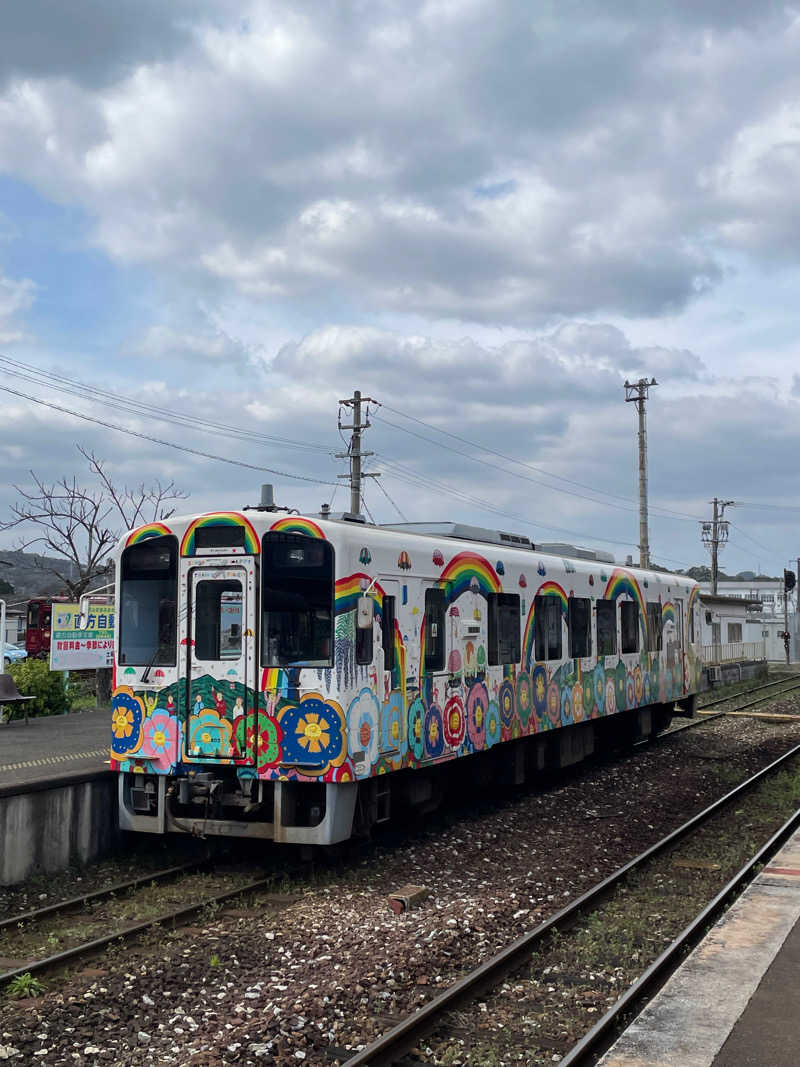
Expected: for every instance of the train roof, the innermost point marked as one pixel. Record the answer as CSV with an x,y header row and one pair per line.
x,y
263,519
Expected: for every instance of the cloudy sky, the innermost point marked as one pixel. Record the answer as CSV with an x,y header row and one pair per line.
x,y
485,215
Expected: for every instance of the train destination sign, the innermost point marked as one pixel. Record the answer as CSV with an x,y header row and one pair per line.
x,y
75,647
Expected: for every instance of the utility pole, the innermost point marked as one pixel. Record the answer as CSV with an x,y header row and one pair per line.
x,y
637,393
354,453
714,534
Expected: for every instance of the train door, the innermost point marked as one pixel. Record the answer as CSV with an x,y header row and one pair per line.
x,y
391,664
220,675
676,646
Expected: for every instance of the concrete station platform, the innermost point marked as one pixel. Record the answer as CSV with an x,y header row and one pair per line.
x,y
53,746
735,1001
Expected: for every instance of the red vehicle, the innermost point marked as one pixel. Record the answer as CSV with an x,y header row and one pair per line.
x,y
37,629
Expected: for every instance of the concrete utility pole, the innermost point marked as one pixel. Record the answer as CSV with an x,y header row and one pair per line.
x,y
354,453
637,392
714,534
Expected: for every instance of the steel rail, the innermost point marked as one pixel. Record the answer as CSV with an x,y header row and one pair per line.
x,y
600,1037
88,947
746,692
717,714
100,894
402,1037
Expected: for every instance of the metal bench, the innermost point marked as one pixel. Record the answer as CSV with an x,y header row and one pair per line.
x,y
11,697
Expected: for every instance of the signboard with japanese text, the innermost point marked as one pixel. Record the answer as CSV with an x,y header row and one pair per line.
x,y
74,647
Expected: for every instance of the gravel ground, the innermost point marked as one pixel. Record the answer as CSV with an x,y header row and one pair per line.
x,y
313,980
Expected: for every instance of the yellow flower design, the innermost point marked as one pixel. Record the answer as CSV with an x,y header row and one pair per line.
x,y
433,731
478,715
122,722
159,738
312,733
540,688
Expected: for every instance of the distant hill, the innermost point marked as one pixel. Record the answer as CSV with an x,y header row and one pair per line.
x,y
32,575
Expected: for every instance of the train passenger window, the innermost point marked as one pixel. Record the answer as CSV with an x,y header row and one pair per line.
x,y
579,620
296,601
505,645
148,615
629,625
218,620
654,627
547,627
364,646
606,628
434,630
387,632
691,625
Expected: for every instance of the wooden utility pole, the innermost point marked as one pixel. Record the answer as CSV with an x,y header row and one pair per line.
x,y
637,393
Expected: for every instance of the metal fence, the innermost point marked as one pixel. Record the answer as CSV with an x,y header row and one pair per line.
x,y
735,652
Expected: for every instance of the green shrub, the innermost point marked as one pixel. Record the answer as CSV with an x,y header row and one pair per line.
x,y
33,677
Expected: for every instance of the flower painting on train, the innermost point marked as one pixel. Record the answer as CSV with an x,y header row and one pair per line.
x,y
363,717
160,740
209,734
127,715
314,734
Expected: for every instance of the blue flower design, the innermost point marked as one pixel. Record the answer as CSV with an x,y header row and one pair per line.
x,y
393,732
434,732
507,703
416,727
313,734
493,725
599,688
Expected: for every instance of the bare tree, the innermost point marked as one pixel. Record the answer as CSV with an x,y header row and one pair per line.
x,y
82,524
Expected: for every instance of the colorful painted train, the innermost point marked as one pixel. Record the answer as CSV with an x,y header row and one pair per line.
x,y
297,679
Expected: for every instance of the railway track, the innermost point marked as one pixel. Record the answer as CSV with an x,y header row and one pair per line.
x,y
26,922
407,1033
790,681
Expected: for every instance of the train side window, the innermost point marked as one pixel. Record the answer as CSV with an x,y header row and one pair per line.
x,y
387,632
505,645
297,591
547,627
606,627
629,625
691,626
580,627
364,646
655,626
434,630
33,614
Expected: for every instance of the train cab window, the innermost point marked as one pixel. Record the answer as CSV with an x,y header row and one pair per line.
x,y
387,632
218,620
606,627
629,625
505,645
655,626
691,625
547,627
434,630
296,601
579,618
148,610
33,614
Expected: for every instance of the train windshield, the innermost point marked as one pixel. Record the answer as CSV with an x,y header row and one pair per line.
x,y
148,603
33,614
296,601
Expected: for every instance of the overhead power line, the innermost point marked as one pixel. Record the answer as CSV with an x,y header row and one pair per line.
x,y
600,496
131,406
160,441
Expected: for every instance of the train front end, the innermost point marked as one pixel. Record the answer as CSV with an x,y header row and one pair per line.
x,y
195,734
